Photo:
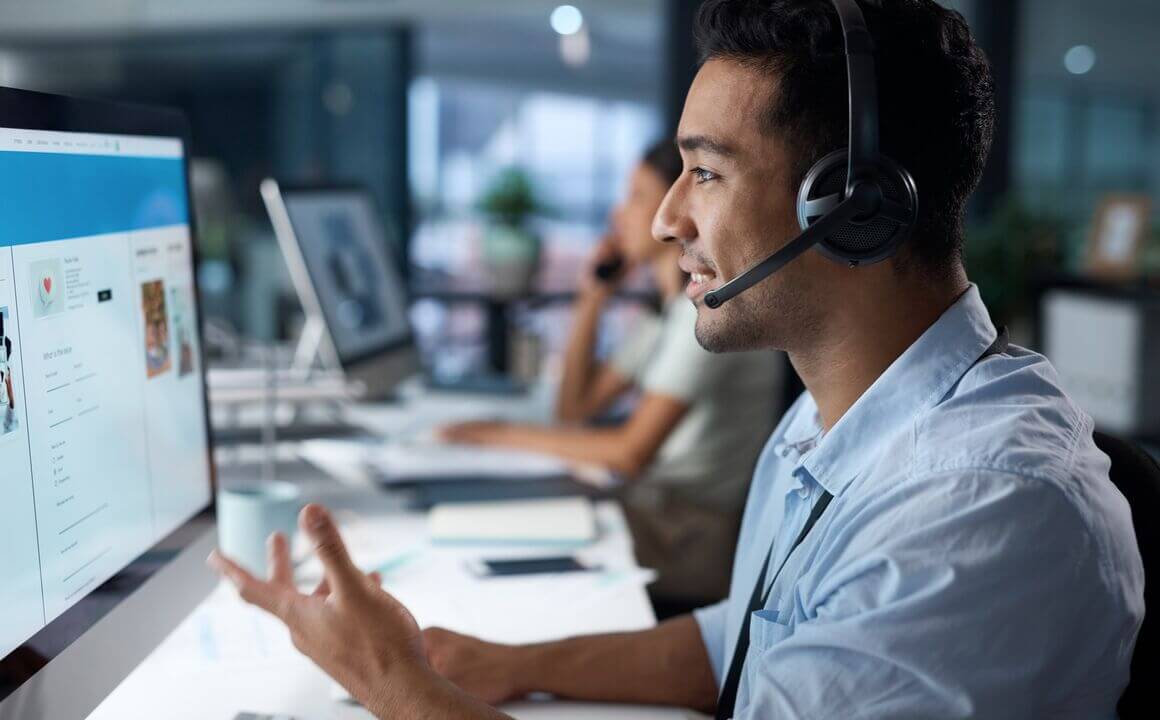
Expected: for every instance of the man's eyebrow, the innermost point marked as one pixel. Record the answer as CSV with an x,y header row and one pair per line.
x,y
690,143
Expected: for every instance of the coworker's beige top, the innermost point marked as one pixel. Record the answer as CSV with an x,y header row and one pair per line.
x,y
709,457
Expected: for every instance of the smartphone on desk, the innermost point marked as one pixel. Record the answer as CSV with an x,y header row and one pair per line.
x,y
527,566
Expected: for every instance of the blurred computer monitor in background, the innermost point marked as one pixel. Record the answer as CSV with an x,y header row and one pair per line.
x,y
349,283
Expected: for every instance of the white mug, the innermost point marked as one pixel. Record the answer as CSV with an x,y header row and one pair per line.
x,y
248,513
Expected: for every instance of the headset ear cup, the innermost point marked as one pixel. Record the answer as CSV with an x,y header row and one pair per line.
x,y
859,242
822,189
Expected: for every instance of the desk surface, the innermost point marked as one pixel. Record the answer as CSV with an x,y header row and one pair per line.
x,y
228,657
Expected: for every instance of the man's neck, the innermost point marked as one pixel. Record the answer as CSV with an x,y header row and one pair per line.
x,y
858,347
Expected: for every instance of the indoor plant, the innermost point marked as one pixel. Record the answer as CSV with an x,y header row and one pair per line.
x,y
511,250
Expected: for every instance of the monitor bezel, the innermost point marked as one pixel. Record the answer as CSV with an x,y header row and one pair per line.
x,y
30,110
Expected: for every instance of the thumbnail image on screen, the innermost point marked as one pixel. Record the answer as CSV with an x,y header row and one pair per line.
x,y
183,329
156,328
46,288
8,420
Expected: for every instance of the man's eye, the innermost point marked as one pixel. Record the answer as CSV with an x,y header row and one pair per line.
x,y
703,175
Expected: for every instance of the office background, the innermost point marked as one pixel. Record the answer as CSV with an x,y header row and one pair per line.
x,y
448,108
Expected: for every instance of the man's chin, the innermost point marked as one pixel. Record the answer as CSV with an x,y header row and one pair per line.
x,y
716,339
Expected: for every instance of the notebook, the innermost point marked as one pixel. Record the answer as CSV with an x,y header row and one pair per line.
x,y
545,521
433,461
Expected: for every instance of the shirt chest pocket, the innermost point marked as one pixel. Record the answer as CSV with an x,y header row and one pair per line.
x,y
768,628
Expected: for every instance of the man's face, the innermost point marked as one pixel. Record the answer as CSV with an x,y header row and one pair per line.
x,y
733,207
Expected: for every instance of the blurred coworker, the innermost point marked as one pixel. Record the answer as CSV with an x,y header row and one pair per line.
x,y
688,449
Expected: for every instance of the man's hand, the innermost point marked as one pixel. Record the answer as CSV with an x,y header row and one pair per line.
x,y
485,670
350,627
481,432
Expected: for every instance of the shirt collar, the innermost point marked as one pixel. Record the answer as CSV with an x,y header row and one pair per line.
x,y
799,438
916,380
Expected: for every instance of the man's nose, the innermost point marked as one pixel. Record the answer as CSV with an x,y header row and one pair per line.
x,y
672,222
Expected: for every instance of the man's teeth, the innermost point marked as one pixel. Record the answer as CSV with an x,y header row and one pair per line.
x,y
700,278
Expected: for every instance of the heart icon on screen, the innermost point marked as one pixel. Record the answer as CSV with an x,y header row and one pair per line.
x,y
47,289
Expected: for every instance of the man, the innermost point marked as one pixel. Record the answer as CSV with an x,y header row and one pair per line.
x,y
975,560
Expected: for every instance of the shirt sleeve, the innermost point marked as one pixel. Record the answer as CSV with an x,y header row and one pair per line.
x,y
950,610
632,357
711,621
679,367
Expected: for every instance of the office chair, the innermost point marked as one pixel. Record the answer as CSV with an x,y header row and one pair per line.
x,y
1137,476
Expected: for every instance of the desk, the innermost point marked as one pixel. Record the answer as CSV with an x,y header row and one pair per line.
x,y
228,657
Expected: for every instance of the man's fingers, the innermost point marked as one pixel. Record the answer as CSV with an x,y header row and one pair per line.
x,y
267,596
338,568
323,589
278,560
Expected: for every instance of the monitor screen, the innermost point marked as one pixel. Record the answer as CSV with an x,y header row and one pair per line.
x,y
352,269
103,439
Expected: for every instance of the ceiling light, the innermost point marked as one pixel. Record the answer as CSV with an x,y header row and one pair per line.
x,y
1079,60
567,20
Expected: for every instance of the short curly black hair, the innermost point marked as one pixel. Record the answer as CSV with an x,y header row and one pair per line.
x,y
936,95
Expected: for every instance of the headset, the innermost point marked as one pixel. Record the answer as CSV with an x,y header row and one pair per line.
x,y
855,204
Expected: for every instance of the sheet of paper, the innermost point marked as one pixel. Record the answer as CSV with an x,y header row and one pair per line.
x,y
343,460
434,582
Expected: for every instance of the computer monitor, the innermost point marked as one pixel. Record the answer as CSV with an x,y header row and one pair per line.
x,y
348,281
105,469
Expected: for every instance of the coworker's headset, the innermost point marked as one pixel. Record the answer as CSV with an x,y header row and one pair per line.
x,y
855,204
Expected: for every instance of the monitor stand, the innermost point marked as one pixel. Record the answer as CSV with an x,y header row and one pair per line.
x,y
315,351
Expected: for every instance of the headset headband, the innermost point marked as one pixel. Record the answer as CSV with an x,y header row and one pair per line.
x,y
863,92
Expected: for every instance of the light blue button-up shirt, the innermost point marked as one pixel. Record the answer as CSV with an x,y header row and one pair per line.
x,y
976,561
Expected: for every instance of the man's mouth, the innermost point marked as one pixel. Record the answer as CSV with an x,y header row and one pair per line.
x,y
701,278
699,284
